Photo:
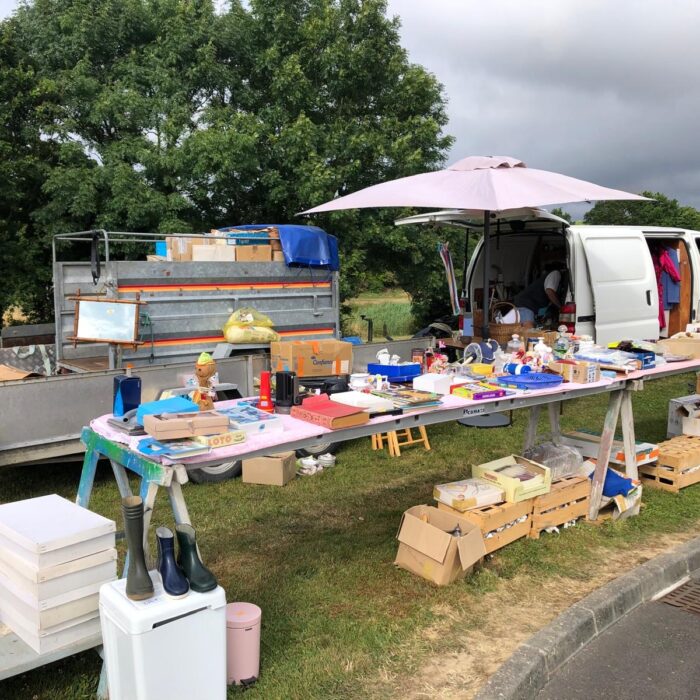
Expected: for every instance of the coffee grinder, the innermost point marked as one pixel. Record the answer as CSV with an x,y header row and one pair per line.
x,y
286,391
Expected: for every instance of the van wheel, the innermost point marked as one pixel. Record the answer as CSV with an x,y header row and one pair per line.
x,y
217,473
321,449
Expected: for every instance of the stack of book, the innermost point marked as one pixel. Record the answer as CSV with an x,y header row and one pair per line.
x,y
409,398
54,556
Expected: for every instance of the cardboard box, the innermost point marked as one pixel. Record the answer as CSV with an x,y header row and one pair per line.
x,y
468,493
427,549
580,373
253,253
515,490
156,258
311,358
277,256
179,249
213,253
232,437
184,425
674,426
686,345
435,383
272,470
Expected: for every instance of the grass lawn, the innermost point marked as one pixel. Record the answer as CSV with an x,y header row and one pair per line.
x,y
316,555
391,307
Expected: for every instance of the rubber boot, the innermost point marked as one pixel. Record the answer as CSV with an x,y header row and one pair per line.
x,y
200,578
138,582
174,582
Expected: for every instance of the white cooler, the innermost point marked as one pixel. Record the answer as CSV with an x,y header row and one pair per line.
x,y
164,649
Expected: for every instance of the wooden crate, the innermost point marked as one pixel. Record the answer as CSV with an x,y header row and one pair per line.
x,y
569,499
676,467
662,476
489,518
680,452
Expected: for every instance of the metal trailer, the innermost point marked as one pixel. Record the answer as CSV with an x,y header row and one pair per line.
x,y
187,305
41,419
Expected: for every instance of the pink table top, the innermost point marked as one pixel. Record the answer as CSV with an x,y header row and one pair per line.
x,y
296,430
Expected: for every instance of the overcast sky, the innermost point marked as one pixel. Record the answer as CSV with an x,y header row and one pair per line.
x,y
605,90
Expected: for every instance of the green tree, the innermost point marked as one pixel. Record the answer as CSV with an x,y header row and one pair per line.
x,y
162,115
557,211
662,211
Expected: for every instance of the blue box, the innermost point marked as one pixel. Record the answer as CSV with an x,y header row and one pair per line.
x,y
411,369
161,248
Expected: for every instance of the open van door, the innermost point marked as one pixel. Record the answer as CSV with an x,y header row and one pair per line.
x,y
623,282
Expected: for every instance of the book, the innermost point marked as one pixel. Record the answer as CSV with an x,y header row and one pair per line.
x,y
173,449
409,398
320,410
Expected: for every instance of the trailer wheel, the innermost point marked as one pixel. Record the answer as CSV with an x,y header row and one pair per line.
x,y
216,474
321,449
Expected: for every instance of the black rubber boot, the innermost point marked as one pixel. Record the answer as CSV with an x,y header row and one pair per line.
x,y
200,578
174,581
138,582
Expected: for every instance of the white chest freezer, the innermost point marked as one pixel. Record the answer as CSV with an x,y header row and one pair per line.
x,y
164,649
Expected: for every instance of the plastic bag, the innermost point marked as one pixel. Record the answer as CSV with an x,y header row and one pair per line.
x,y
246,317
249,334
562,460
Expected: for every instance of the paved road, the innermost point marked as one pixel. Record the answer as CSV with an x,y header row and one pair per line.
x,y
652,654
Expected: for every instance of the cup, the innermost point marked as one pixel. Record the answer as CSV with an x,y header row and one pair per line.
x,y
359,380
384,356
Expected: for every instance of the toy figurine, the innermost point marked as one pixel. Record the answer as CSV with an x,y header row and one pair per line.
x,y
204,370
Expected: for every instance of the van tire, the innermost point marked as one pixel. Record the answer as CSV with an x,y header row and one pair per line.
x,y
217,473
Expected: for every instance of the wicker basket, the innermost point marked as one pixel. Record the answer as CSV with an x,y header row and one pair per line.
x,y
500,332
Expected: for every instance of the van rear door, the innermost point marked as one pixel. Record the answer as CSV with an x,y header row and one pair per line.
x,y
624,286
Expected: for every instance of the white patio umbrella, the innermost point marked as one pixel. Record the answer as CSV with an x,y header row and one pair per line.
x,y
488,184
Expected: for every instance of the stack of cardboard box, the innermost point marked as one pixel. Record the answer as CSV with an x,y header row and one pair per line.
x,y
226,246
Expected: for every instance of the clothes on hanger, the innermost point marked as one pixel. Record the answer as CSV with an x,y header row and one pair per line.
x,y
663,263
672,289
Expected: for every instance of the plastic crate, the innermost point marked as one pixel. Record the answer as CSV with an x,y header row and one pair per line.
x,y
395,373
534,380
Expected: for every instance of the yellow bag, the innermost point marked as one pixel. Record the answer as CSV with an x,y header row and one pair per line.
x,y
246,317
249,334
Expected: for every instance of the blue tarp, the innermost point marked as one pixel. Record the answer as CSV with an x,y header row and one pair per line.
x,y
303,246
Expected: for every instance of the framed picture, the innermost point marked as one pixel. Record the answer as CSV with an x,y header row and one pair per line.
x,y
106,321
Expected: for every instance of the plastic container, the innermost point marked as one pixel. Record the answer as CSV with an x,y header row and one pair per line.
x,y
562,460
406,370
514,345
242,643
532,380
517,368
164,648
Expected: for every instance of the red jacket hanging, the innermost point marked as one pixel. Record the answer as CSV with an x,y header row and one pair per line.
x,y
663,263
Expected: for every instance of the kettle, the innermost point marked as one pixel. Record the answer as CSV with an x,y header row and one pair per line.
x,y
286,391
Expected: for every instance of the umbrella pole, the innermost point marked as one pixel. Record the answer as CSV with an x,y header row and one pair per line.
x,y
487,265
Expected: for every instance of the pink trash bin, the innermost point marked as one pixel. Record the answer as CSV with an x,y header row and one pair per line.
x,y
242,643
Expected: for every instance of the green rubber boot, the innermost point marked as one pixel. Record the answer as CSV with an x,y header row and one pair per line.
x,y
200,578
138,582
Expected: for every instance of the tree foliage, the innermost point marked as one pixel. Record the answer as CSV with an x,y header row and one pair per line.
x,y
661,211
162,115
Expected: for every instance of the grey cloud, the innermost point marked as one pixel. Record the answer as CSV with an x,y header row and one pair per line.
x,y
601,90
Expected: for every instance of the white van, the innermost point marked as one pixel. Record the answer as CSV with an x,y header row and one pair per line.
x,y
612,288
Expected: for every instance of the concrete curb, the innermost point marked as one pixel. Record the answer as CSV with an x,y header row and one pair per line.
x,y
529,669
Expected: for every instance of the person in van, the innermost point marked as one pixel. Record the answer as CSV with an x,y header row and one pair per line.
x,y
539,295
